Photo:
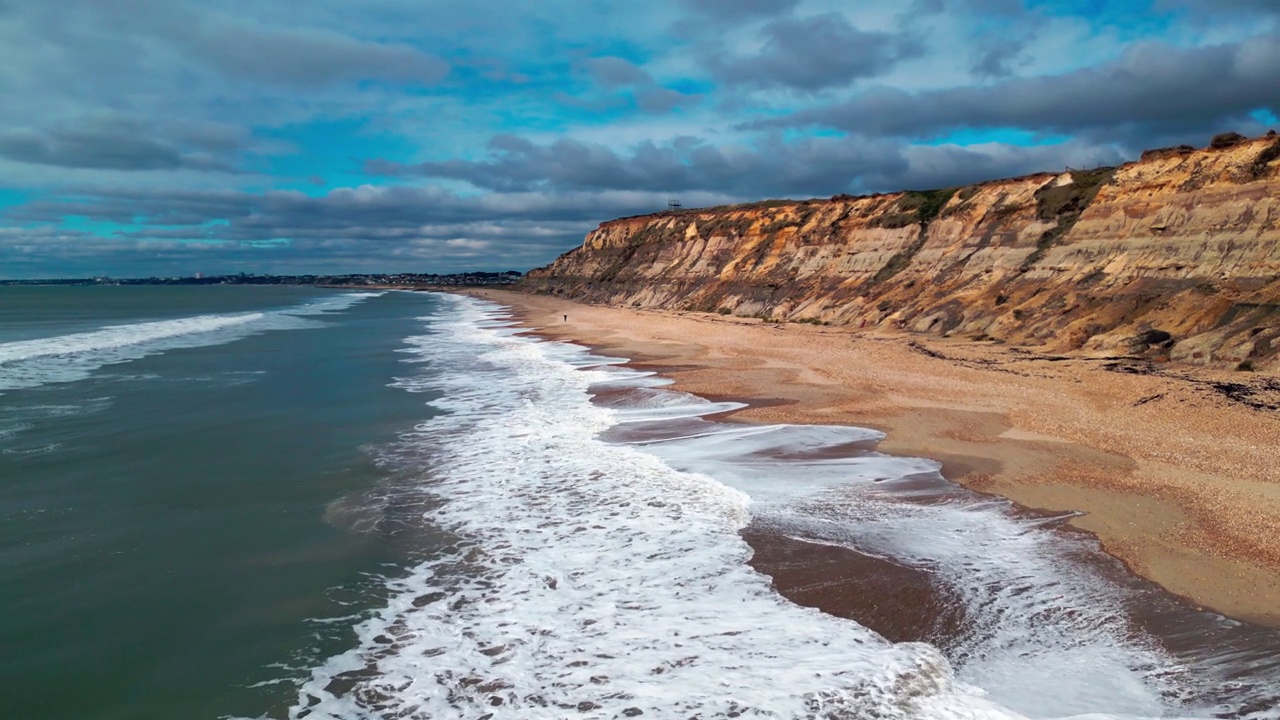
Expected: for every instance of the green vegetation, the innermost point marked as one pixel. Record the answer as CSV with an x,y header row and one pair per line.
x,y
776,225
929,203
724,224
1226,140
916,206
1066,203
1260,163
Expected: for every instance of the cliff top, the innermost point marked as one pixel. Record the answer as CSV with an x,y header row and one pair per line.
x,y
1224,143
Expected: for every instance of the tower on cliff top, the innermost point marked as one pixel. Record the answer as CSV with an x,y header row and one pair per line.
x,y
674,204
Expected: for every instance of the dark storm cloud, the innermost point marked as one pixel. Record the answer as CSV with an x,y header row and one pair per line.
x,y
1153,86
813,53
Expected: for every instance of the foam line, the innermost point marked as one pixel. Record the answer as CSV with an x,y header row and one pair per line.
x,y
67,358
593,578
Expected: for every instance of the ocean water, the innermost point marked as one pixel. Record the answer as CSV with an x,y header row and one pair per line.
x,y
172,467
313,504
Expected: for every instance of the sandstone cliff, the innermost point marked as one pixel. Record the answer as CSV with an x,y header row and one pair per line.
x,y
1176,256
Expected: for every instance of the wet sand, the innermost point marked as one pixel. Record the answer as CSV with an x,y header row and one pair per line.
x,y
1175,469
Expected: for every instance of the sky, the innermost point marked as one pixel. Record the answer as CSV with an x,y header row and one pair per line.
x,y
165,137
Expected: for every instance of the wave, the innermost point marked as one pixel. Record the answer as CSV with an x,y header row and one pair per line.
x,y
598,568
591,578
67,358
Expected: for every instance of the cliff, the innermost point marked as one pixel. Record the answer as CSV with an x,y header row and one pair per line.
x,y
1175,256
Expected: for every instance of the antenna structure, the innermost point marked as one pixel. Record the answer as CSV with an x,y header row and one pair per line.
x,y
674,204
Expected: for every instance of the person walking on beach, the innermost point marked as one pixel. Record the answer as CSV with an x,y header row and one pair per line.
x,y
566,318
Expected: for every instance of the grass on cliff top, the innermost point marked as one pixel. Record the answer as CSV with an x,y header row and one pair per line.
x,y
917,206
1065,204
756,205
1053,202
1264,159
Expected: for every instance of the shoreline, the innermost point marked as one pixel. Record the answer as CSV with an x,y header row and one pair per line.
x,y
1178,478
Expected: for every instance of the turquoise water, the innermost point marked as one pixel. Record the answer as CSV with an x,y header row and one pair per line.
x,y
170,524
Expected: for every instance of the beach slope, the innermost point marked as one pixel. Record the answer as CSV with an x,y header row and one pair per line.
x,y
1174,468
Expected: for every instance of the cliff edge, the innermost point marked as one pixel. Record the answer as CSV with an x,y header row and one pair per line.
x,y
1175,256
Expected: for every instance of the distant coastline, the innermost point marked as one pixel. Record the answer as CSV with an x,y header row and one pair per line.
x,y
464,279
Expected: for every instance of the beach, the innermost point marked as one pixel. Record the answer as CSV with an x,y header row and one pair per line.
x,y
426,509
1175,469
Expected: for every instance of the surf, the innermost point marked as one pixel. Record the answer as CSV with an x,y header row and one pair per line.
x,y
75,356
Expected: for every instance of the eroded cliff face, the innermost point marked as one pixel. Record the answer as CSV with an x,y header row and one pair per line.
x,y
1175,256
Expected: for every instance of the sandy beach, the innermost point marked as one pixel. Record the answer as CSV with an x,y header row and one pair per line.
x,y
1175,469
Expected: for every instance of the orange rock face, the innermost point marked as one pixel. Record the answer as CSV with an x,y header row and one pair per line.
x,y
1176,256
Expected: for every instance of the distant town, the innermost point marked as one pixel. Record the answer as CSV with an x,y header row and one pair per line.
x,y
408,280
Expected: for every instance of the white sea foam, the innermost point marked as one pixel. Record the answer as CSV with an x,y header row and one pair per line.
x,y
47,449
593,579
1047,636
20,418
1047,614
10,428
67,358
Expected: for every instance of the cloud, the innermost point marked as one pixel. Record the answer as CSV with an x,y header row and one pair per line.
x,y
356,229
740,9
306,57
241,132
426,228
615,72
619,76
1153,86
1219,7
100,48
998,57
89,150
772,168
364,214
997,34
812,53
518,165
114,142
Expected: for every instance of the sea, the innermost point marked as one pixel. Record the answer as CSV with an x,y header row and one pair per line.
x,y
238,502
